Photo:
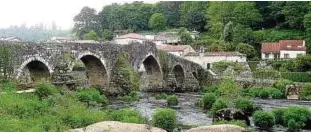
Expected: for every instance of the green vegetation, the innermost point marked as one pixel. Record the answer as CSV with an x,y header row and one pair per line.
x,y
234,122
263,119
131,97
229,89
44,90
245,105
92,35
281,85
172,100
208,100
6,61
219,67
126,115
164,118
91,96
219,104
157,22
161,96
306,92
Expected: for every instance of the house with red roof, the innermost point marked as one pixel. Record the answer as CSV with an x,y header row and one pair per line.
x,y
129,38
284,49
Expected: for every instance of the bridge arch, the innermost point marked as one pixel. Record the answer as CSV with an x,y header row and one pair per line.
x,y
34,69
179,75
152,76
95,71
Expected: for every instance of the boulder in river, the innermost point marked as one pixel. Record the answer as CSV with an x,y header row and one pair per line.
x,y
228,114
218,128
114,126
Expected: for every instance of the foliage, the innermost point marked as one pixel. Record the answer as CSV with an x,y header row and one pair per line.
x,y
90,96
163,57
132,96
233,122
305,93
278,116
208,100
274,93
164,118
229,88
161,96
266,74
264,94
107,35
209,88
295,117
246,49
227,34
253,65
254,92
126,77
219,104
91,35
222,66
185,38
44,90
126,115
245,105
294,18
8,86
193,15
86,22
170,9
172,100
157,22
297,76
263,119
281,84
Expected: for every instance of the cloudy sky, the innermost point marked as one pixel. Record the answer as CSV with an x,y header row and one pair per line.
x,y
16,12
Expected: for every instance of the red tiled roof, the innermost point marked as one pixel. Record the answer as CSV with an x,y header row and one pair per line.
x,y
293,45
173,48
131,35
270,47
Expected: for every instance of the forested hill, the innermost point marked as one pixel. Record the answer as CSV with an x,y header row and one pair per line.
x,y
238,26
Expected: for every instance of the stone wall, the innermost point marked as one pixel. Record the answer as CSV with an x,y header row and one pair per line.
x,y
100,61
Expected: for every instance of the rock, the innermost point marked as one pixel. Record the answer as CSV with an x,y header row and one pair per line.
x,y
293,90
114,126
229,114
218,128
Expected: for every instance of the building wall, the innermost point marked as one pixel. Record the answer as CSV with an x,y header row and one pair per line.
x,y
203,61
126,41
292,54
263,56
177,53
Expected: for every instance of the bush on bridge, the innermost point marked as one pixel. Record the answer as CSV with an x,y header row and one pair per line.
x,y
164,118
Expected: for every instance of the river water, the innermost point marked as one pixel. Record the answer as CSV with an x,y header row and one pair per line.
x,y
189,115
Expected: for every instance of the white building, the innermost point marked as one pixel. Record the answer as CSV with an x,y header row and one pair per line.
x,y
208,58
285,49
11,39
178,50
60,39
129,38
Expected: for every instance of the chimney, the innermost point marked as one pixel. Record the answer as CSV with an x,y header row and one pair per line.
x,y
304,43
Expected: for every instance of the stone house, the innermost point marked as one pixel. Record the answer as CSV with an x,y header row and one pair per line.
x,y
178,50
129,38
208,58
284,49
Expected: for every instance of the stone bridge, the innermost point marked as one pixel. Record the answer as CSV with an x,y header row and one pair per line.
x,y
33,62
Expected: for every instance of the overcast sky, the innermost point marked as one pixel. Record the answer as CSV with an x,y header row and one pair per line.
x,y
16,12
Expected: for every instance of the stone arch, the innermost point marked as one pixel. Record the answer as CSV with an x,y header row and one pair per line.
x,y
195,75
96,73
151,73
179,75
34,69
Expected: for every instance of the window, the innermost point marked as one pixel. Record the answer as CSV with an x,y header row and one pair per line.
x,y
286,55
266,55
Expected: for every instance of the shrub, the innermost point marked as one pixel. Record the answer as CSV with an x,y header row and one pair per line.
x,y
281,85
278,116
91,95
164,118
263,119
161,96
131,97
172,100
264,94
209,89
297,76
229,88
8,86
306,92
126,115
233,122
208,100
219,104
254,92
274,93
299,115
44,90
245,105
264,74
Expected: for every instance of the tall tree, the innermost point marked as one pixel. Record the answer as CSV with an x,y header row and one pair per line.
x,y
276,13
92,35
227,35
193,15
246,49
170,9
85,21
294,12
157,22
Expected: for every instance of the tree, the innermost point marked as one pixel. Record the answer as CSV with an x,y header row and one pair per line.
x,y
185,38
107,35
246,13
170,9
157,22
227,34
294,12
193,15
307,25
276,13
246,49
92,35
85,21
242,34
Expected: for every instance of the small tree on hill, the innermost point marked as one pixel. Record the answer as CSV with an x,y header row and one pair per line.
x,y
92,35
157,22
228,32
